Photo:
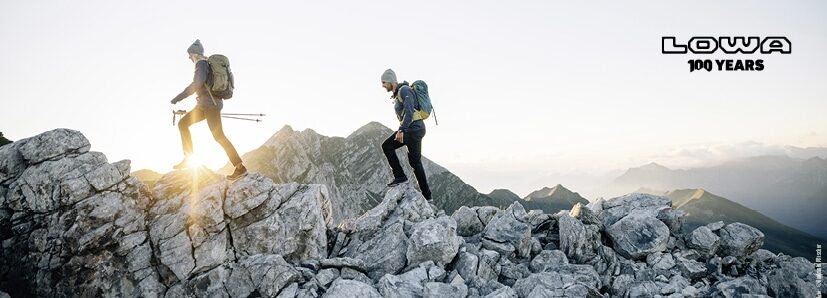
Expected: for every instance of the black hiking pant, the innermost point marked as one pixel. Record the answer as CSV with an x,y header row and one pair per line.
x,y
213,117
412,139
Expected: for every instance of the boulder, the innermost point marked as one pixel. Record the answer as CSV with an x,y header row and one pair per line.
x,y
294,215
691,269
408,284
506,230
742,286
326,276
740,240
468,222
573,281
617,208
456,288
433,240
637,235
579,241
660,261
503,292
345,288
343,262
267,274
704,241
52,145
383,254
793,278
584,214
643,289
548,260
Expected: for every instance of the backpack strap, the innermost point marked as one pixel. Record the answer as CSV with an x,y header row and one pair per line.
x,y
209,77
210,93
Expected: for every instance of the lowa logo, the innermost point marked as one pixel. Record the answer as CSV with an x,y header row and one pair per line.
x,y
735,45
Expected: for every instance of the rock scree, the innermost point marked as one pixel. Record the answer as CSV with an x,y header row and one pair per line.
x,y
74,224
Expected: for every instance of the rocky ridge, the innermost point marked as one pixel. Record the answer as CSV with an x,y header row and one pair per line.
x,y
353,168
73,224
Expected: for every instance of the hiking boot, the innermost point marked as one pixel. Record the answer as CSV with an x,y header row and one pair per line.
x,y
239,172
181,165
397,181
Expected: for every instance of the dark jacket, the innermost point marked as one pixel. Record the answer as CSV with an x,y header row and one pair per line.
x,y
199,87
404,105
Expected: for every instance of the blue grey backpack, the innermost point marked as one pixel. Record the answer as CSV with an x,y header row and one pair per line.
x,y
425,108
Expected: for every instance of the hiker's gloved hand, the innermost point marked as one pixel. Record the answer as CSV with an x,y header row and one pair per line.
x,y
400,137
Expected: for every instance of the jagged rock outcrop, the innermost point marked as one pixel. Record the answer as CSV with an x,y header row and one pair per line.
x,y
73,224
353,168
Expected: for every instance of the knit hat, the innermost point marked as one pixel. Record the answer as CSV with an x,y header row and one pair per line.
x,y
196,48
389,76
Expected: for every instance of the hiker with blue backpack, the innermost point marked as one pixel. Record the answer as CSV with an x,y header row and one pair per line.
x,y
213,83
412,106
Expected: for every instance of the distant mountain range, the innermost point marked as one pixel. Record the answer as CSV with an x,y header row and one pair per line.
x,y
550,200
553,199
790,190
703,207
353,168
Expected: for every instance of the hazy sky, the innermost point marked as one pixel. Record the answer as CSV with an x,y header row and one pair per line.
x,y
527,93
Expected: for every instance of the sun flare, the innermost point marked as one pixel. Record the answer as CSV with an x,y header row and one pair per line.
x,y
195,161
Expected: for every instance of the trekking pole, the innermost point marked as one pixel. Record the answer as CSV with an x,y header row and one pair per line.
x,y
237,114
240,118
175,113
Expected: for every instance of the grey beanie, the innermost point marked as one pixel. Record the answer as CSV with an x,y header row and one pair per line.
x,y
389,76
196,48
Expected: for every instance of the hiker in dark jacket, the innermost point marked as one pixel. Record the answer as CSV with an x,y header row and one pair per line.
x,y
410,133
208,108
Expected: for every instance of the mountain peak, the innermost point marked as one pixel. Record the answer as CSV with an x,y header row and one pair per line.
x,y
504,195
372,127
653,166
651,191
287,132
681,197
286,129
700,192
557,191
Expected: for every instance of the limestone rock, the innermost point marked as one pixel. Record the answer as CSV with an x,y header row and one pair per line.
x,y
506,230
548,260
408,284
637,235
434,240
579,241
344,288
704,241
740,240
468,222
